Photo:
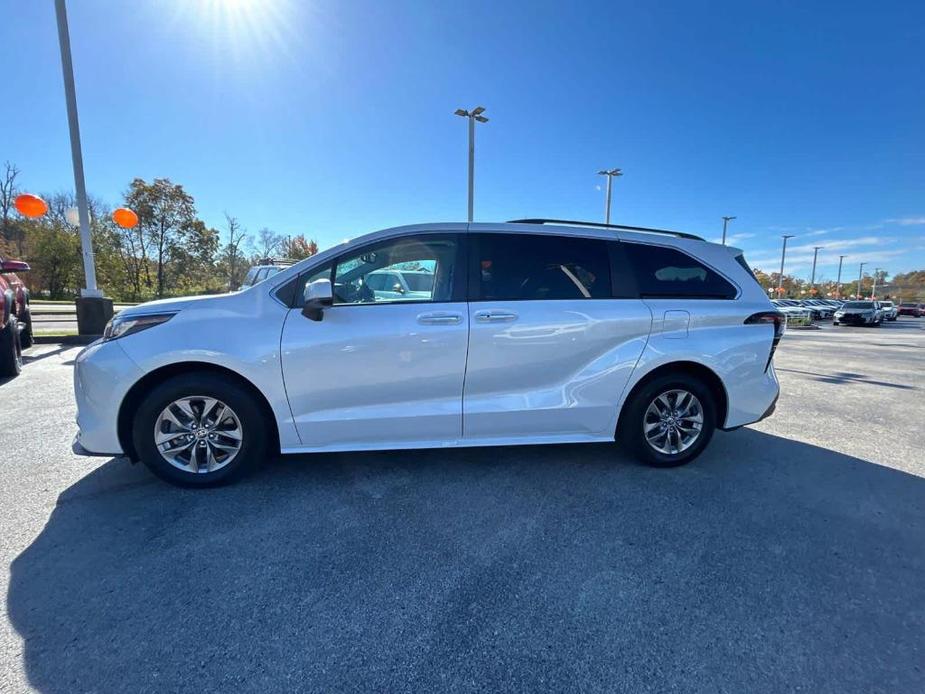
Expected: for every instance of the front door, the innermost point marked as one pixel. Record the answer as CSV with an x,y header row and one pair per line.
x,y
384,367
550,348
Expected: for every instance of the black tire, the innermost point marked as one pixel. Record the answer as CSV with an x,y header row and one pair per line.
x,y
26,337
253,428
10,350
630,429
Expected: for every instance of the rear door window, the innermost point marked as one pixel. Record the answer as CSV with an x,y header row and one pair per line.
x,y
663,273
523,267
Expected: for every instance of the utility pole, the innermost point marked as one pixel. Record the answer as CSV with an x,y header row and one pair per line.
x,y
726,221
873,290
860,276
783,253
610,174
93,311
473,116
841,258
812,281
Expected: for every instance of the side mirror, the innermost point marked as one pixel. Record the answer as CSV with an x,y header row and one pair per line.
x,y
10,266
317,296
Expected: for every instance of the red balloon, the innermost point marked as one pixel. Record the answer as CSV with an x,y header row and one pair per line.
x,y
30,205
125,218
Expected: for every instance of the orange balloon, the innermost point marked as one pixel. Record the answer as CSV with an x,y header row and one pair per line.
x,y
125,218
30,205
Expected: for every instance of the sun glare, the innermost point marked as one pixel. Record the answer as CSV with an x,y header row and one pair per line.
x,y
251,30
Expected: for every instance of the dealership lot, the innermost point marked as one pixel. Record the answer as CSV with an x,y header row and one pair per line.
x,y
789,556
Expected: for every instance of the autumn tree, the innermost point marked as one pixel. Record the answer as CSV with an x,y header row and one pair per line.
x,y
298,247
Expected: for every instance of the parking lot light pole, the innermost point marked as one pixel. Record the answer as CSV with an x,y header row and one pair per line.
x,y
860,276
783,254
726,221
841,259
93,311
812,281
610,174
473,115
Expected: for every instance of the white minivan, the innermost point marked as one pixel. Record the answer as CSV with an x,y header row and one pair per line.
x,y
535,331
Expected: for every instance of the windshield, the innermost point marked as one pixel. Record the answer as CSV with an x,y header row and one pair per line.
x,y
859,304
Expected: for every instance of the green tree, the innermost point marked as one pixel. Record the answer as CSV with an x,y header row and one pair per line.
x,y
165,211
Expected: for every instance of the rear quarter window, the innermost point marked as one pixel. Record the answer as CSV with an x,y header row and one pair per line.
x,y
663,273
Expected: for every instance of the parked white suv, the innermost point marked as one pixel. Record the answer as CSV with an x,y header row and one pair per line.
x,y
530,332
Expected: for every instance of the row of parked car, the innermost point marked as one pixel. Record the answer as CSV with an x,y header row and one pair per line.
x,y
862,312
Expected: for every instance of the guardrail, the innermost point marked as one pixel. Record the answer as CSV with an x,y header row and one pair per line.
x,y
54,312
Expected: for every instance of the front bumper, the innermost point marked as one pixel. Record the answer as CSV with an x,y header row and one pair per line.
x,y
854,319
103,374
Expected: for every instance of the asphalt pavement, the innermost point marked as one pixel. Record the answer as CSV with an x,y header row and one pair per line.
x,y
790,556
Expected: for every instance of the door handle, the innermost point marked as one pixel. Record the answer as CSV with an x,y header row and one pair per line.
x,y
439,318
495,316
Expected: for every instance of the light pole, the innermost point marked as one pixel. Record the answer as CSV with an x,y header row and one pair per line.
x,y
812,281
610,174
473,115
783,253
860,275
726,221
841,258
93,311
873,290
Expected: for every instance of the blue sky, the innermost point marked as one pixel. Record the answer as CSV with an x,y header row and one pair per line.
x,y
334,118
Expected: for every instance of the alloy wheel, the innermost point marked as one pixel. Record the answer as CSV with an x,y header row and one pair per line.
x,y
198,434
673,421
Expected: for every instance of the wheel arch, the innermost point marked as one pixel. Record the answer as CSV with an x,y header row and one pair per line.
x,y
691,368
135,394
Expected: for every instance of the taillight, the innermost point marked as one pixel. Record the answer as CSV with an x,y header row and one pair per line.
x,y
775,318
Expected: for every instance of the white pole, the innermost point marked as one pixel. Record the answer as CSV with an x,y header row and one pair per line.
x,y
471,165
607,204
780,279
841,258
70,97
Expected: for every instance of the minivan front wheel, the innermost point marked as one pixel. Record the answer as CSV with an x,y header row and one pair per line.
x,y
670,420
199,430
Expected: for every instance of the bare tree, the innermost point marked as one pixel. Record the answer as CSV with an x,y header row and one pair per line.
x,y
268,242
8,193
233,255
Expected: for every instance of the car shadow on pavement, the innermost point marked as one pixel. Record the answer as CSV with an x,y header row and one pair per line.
x,y
766,565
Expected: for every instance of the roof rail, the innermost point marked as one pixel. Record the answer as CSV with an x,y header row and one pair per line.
x,y
573,223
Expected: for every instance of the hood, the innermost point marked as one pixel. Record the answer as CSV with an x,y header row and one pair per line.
x,y
167,305
855,310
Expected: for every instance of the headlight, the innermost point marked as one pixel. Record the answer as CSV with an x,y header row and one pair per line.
x,y
120,327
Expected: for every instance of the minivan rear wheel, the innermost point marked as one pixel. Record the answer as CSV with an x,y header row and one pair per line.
x,y
199,430
669,420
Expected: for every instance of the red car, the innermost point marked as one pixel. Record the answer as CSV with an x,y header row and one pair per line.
x,y
910,309
15,317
